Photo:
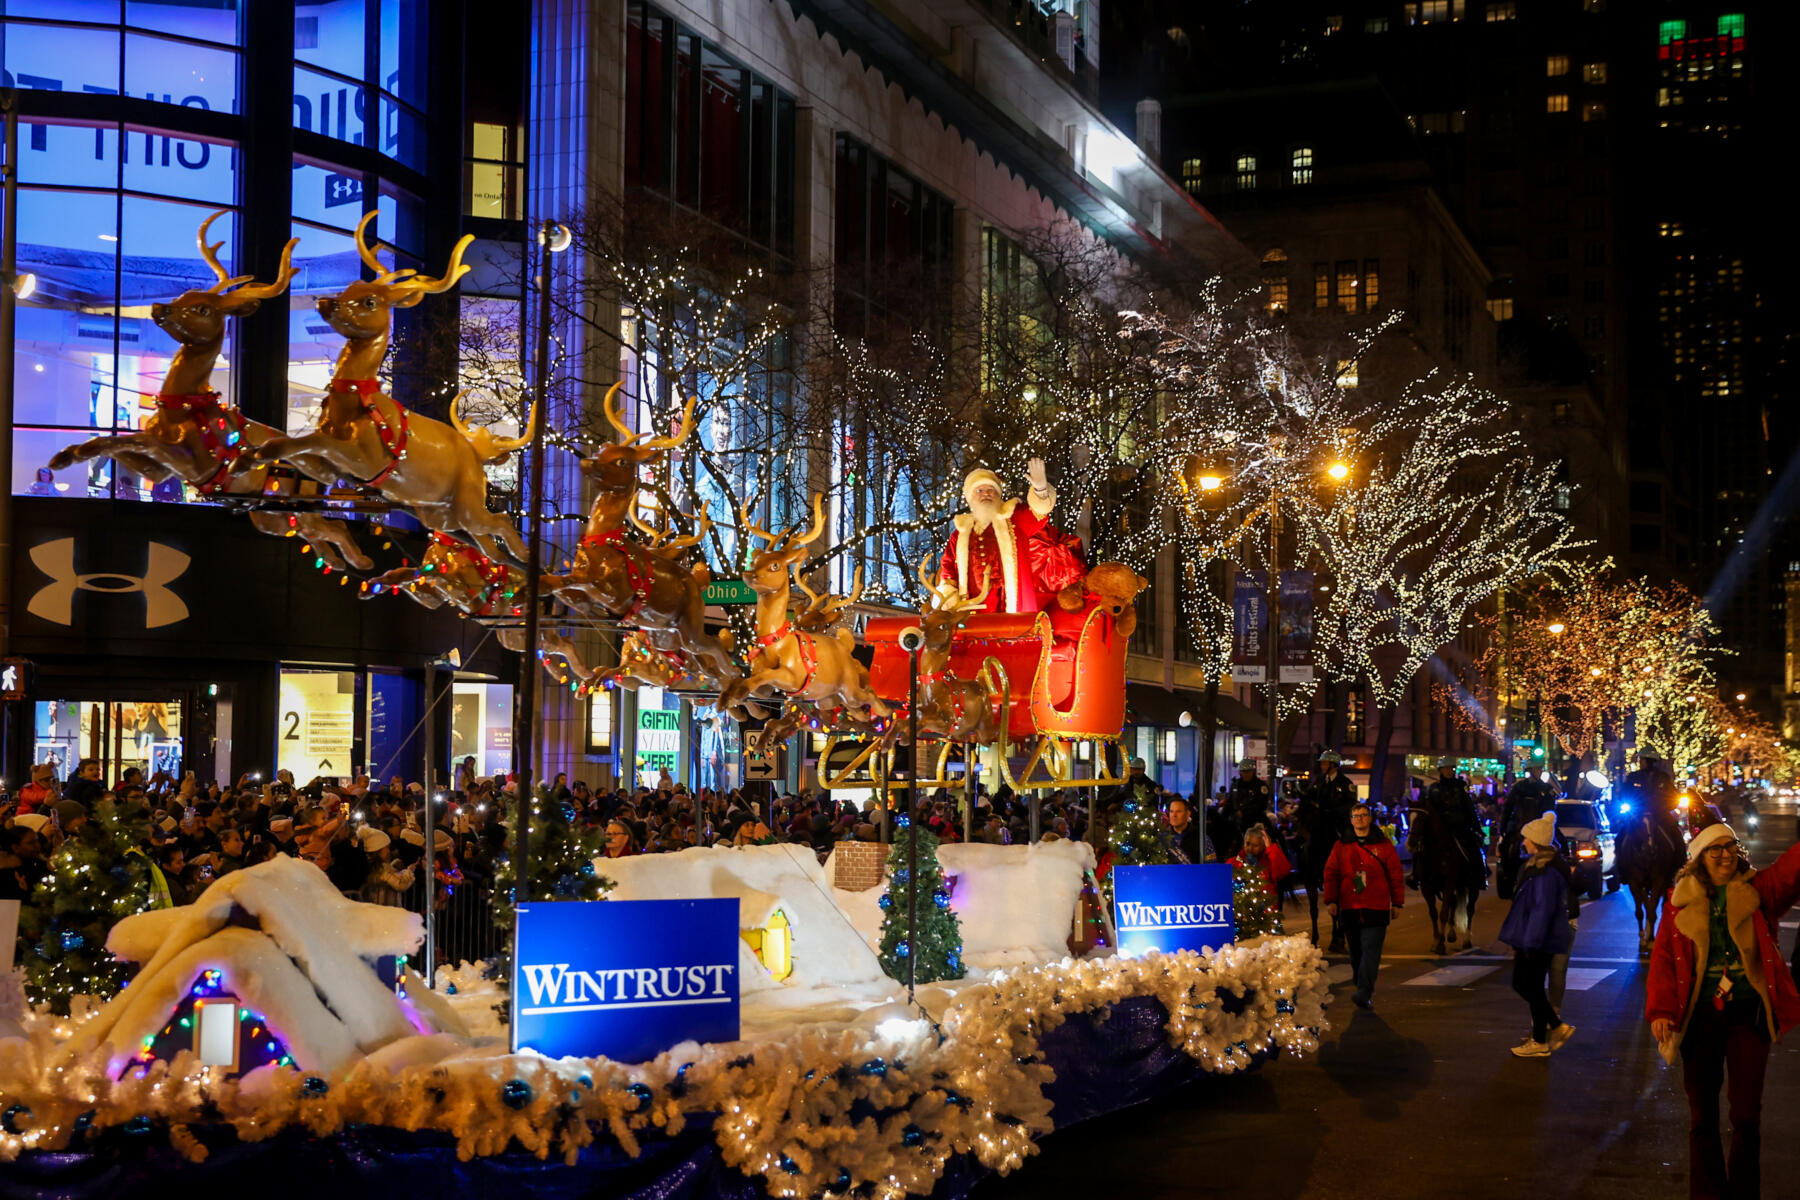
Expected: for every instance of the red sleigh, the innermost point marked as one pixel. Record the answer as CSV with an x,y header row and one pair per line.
x,y
1059,678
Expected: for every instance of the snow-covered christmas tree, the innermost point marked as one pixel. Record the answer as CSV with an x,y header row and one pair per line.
x,y
98,877
935,950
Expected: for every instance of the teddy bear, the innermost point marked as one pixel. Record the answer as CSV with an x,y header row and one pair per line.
x,y
1114,586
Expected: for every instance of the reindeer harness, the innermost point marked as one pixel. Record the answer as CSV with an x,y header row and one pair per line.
x,y
392,440
637,577
807,644
221,432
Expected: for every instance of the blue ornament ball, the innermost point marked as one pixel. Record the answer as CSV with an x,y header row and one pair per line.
x,y
886,901
313,1086
587,868
451,990
875,1066
953,960
14,1117
1131,806
516,1093
789,1165
1126,848
568,811
642,1092
72,940
902,876
912,1135
903,821
586,1081
842,1182
137,1126
941,899
904,950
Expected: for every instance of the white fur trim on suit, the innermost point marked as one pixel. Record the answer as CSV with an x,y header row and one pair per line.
x,y
1003,541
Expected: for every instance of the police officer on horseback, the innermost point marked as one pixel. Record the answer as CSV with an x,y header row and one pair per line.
x,y
1649,789
1332,791
1527,800
1448,797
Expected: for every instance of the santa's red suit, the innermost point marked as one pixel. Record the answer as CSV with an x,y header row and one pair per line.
x,y
1027,559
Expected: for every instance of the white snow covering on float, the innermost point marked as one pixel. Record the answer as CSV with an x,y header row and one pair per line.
x,y
291,947
1016,903
828,951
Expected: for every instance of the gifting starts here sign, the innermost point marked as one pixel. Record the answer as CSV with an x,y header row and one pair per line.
x,y
624,979
1175,907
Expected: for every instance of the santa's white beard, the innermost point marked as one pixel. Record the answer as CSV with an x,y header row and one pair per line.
x,y
983,512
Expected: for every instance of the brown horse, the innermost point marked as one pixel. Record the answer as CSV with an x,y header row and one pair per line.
x,y
1650,854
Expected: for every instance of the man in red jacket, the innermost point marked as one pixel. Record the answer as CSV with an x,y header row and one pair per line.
x,y
1718,993
1364,889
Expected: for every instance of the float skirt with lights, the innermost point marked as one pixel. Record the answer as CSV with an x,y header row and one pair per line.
x,y
908,1107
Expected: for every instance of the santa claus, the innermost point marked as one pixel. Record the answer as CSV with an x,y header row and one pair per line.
x,y
1012,543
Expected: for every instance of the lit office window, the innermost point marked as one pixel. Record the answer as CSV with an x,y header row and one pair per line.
x,y
1556,64
1191,175
1303,164
1556,102
1246,171
1504,10
1594,72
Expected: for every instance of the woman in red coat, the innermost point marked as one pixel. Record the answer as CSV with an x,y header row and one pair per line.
x,y
1719,993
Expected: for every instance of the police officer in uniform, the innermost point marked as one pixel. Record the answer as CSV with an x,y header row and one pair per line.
x,y
1528,799
1333,792
1650,788
1448,796
1246,804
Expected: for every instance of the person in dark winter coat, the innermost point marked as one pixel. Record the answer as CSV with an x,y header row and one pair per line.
x,y
1363,891
1332,791
1719,994
1528,797
1246,804
1538,928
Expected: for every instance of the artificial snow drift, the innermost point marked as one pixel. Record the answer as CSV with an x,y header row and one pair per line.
x,y
814,1098
289,945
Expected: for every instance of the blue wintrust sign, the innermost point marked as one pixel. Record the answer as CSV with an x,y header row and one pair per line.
x,y
624,979
1177,907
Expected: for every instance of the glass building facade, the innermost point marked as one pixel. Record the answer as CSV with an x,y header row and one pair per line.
x,y
142,117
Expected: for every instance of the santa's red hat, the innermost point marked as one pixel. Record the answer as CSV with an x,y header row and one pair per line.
x,y
976,478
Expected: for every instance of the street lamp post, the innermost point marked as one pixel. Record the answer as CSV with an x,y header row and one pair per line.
x,y
553,238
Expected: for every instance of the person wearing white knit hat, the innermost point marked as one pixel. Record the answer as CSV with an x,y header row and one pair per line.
x,y
1538,928
1008,550
1718,993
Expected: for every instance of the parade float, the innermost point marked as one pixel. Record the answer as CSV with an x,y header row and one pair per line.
x,y
771,1030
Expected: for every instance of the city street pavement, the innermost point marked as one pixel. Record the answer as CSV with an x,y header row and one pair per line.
x,y
1421,1098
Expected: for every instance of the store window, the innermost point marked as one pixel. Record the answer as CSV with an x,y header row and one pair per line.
x,y
316,726
106,235
893,243
359,63
481,723
144,734
494,186
658,736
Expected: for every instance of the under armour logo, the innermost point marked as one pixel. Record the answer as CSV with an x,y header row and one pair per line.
x,y
55,602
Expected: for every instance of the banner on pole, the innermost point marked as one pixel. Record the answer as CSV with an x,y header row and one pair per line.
x,y
625,979
1250,628
1296,648
1173,907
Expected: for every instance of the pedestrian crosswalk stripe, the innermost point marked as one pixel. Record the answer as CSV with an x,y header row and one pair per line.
x,y
1583,978
1451,976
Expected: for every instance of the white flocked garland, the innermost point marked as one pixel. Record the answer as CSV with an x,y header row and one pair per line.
x,y
973,1084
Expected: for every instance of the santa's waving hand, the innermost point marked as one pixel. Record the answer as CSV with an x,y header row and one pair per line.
x,y
1004,534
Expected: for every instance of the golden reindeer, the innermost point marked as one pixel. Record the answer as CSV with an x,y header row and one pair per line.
x,y
958,710
786,661
429,467
193,435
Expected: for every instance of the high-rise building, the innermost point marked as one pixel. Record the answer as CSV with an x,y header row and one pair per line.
x,y
1605,160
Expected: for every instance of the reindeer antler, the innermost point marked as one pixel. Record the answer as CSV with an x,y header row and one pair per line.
x,y
681,433
407,279
210,252
609,406
262,291
818,525
659,538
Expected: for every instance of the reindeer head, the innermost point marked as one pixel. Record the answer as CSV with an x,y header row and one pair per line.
x,y
946,608
197,318
615,467
767,573
363,310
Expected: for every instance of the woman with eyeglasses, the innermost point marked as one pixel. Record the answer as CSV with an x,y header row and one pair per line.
x,y
619,840
1719,994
